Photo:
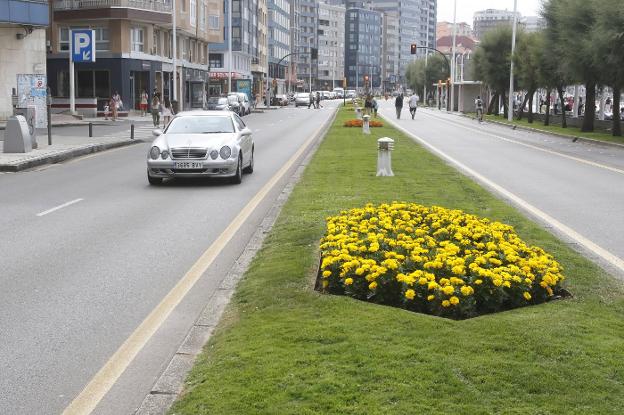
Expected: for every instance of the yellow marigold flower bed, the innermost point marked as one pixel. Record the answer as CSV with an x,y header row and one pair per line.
x,y
433,260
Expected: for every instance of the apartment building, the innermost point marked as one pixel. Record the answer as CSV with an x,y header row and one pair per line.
x,y
390,69
22,45
485,20
260,62
134,49
363,47
279,44
331,44
307,67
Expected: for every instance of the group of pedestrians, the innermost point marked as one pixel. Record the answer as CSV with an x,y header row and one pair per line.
x,y
157,107
315,100
412,102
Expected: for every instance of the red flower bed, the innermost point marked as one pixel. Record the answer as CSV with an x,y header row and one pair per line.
x,y
359,123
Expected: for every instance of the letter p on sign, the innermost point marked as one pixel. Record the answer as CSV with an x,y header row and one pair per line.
x,y
82,45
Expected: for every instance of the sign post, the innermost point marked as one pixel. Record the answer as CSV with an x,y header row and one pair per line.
x,y
82,49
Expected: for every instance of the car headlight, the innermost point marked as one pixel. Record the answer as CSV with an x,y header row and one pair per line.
x,y
225,152
214,154
154,153
164,154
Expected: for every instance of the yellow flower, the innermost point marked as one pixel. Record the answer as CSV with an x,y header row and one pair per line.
x,y
527,296
467,290
448,290
325,284
478,282
454,300
326,274
372,285
446,303
430,297
349,281
410,294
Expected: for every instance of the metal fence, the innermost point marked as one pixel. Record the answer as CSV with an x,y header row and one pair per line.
x,y
153,5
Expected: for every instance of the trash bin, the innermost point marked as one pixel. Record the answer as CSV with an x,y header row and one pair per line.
x,y
384,161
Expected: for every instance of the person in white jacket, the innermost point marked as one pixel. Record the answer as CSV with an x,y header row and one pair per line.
x,y
413,104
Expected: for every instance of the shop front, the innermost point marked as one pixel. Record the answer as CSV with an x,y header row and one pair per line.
x,y
195,81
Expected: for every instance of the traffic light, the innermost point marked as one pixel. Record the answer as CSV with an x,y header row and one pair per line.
x,y
413,48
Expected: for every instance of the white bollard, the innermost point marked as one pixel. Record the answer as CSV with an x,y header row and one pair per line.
x,y
384,161
358,113
366,125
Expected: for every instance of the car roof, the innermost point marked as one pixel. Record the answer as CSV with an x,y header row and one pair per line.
x,y
203,113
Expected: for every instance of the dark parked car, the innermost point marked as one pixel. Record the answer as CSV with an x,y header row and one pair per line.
x,y
281,100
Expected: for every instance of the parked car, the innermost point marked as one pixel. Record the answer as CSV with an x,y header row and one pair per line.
x,y
201,144
339,92
325,95
244,101
280,100
351,93
302,99
218,104
235,104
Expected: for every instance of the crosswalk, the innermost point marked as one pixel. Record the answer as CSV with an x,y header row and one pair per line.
x,y
141,132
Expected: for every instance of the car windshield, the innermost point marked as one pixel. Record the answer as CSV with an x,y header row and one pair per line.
x,y
303,95
217,100
201,124
233,99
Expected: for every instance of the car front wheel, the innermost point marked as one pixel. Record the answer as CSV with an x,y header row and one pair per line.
x,y
238,177
154,181
249,169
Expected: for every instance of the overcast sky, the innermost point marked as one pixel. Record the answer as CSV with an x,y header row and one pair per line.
x,y
466,8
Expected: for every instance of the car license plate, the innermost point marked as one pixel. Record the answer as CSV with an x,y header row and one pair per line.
x,y
188,165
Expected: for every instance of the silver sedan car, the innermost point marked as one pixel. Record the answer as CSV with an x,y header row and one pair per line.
x,y
201,144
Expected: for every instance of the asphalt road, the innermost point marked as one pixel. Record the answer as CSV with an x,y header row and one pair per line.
x,y
77,281
579,184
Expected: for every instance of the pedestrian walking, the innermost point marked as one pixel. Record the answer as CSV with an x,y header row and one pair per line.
x,y
156,110
143,104
479,108
375,106
368,105
114,105
167,112
311,99
398,105
318,100
413,104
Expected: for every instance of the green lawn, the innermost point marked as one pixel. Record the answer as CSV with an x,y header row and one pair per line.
x,y
282,348
600,135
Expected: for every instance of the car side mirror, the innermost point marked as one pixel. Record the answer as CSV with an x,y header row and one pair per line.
x,y
246,131
157,132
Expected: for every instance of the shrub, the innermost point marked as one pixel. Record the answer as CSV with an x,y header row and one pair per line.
x,y
433,260
359,123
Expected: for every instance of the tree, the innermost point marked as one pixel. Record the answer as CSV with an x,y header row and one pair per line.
x,y
569,30
608,39
418,75
493,62
552,75
527,60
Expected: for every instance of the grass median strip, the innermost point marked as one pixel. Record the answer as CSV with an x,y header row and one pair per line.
x,y
283,348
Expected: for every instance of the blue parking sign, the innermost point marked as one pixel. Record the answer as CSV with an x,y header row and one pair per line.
x,y
82,48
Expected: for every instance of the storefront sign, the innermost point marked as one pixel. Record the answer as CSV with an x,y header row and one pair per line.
x,y
224,75
146,65
244,86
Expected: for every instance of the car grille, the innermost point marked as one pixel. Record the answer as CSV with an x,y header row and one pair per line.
x,y
188,153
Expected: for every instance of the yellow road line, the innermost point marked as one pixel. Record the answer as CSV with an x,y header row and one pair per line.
x,y
607,256
106,377
578,159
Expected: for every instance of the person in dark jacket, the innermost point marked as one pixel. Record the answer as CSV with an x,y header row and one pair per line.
x,y
398,104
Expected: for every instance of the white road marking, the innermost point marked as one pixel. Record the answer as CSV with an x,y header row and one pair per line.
x,y
106,377
64,205
577,159
612,259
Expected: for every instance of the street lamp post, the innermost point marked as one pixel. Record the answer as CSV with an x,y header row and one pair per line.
x,y
175,52
229,46
452,84
511,71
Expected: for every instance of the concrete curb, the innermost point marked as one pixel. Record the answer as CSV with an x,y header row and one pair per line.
x,y
171,382
66,155
537,130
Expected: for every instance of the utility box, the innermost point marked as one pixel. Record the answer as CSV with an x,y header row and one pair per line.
x,y
366,125
17,137
384,161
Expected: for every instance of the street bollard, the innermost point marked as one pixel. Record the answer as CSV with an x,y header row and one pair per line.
x,y
131,131
384,160
366,125
90,129
358,113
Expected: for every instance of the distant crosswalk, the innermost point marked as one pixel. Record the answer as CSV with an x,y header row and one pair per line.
x,y
141,132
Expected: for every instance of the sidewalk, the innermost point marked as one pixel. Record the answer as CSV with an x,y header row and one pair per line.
x,y
67,147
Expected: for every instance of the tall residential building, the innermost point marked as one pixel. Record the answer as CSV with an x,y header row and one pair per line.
x,y
279,43
390,71
363,47
134,43
245,48
446,29
417,25
307,39
533,23
485,20
260,62
22,45
331,38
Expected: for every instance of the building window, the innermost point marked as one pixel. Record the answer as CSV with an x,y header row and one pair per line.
x,y
102,43
156,47
193,13
137,39
202,16
213,22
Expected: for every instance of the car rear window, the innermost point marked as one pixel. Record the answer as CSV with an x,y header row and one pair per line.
x,y
202,124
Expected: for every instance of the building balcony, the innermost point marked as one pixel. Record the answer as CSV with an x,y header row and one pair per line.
x,y
163,6
152,11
